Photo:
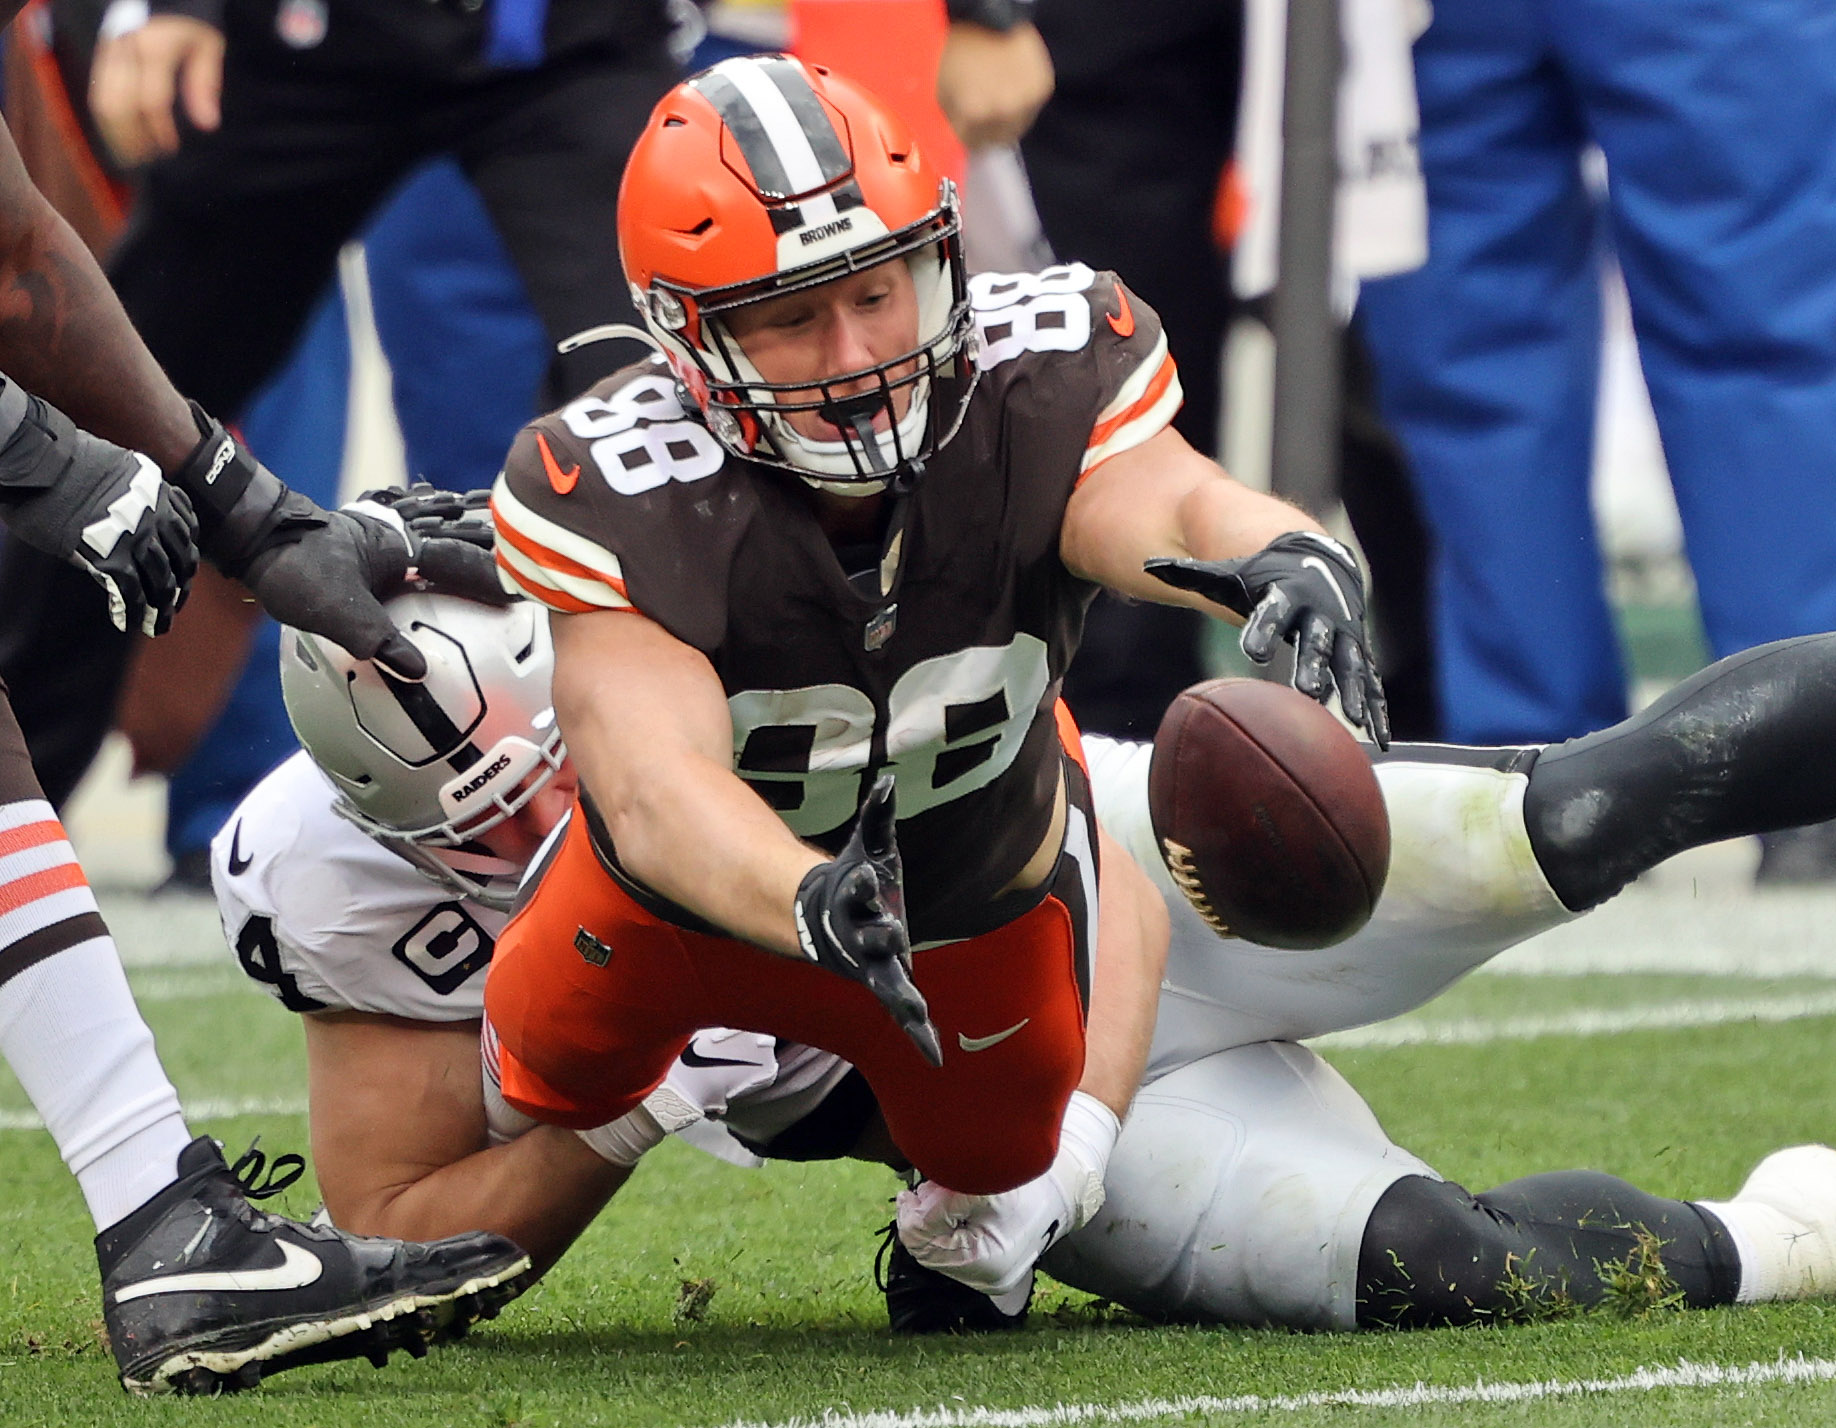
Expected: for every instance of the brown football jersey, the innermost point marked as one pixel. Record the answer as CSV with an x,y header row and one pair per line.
x,y
946,667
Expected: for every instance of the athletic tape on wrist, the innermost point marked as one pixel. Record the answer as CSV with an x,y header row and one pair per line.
x,y
624,1141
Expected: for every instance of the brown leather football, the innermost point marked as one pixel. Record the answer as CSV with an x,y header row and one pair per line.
x,y
1268,814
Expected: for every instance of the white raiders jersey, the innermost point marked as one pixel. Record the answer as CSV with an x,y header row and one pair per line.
x,y
324,918
1464,885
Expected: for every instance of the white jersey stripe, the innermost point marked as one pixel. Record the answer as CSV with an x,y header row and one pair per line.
x,y
1137,384
507,510
1132,433
537,578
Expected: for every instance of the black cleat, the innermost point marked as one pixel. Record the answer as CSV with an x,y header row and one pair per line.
x,y
203,1293
923,1301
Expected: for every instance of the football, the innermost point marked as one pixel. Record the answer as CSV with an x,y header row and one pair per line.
x,y
1268,814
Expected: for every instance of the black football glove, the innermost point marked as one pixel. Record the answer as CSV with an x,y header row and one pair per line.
x,y
100,507
1303,588
452,536
851,919
317,570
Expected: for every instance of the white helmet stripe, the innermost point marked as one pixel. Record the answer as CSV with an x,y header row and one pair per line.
x,y
793,83
777,125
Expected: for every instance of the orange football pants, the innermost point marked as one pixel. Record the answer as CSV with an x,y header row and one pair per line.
x,y
580,1044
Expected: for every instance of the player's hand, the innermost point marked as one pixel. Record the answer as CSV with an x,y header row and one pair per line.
x,y
451,535
1303,588
326,572
136,76
991,84
323,571
850,916
103,508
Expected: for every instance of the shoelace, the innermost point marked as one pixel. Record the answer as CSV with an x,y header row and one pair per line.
x,y
281,1172
884,1253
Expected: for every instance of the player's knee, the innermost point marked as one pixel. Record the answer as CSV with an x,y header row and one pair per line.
x,y
1431,1255
1003,1156
575,1092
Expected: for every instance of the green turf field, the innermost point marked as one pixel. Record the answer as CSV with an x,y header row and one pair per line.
x,y
709,1295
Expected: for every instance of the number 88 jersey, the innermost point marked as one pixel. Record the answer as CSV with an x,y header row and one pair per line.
x,y
938,655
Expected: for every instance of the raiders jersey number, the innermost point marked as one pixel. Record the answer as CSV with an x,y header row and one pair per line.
x,y
259,953
445,948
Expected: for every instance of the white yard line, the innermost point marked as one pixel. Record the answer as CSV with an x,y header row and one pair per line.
x,y
1680,1375
207,1109
1469,1031
1584,1021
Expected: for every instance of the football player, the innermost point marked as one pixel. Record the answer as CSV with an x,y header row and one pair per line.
x,y
847,524
1250,1183
184,1308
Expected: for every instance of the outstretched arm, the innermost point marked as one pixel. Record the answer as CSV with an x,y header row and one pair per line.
x,y
647,725
1162,498
1161,522
65,337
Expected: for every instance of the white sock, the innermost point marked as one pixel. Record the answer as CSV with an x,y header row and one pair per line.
x,y
1765,1239
76,1041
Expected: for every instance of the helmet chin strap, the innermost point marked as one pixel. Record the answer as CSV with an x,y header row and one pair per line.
x,y
855,414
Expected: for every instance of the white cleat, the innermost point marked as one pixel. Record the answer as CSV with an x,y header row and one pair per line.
x,y
1783,1223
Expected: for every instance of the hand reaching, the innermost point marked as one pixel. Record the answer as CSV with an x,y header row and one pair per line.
x,y
1303,588
850,916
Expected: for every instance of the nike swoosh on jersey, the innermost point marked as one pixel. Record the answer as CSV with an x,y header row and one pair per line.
x,y
238,863
692,1057
299,1267
562,481
1123,321
982,1043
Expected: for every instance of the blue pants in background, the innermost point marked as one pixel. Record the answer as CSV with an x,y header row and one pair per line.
x,y
467,356
1716,118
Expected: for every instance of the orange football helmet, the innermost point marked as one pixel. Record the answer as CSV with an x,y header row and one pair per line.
x,y
763,176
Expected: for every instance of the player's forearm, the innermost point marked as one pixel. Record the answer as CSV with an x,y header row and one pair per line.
x,y
695,833
647,724
1132,932
1224,519
65,337
541,1190
1217,520
1163,500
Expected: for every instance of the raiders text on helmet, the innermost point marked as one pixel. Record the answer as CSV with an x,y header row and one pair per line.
x,y
764,176
429,768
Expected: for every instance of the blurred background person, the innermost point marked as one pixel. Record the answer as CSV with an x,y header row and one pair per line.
x,y
1714,117
1128,126
265,136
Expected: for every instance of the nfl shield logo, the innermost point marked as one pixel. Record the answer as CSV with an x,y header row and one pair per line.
x,y
301,23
